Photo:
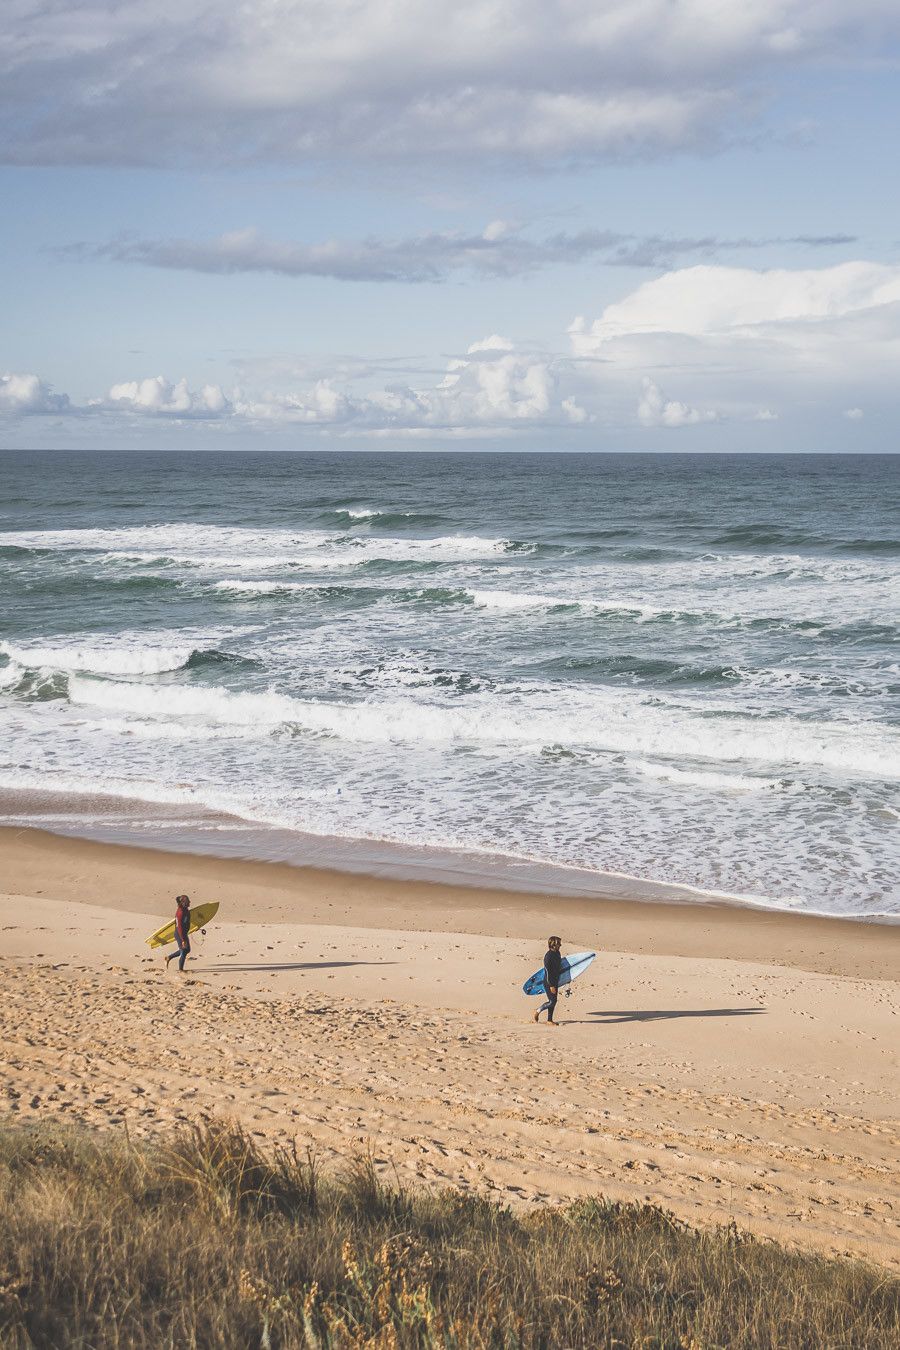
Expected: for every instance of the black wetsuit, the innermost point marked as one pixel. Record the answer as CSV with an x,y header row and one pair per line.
x,y
552,971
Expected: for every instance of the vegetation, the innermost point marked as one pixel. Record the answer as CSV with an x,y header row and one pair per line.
x,y
206,1240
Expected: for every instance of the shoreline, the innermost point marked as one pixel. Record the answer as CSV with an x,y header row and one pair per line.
x,y
259,890
189,829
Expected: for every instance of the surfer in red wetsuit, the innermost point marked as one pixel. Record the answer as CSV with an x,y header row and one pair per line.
x,y
182,931
552,972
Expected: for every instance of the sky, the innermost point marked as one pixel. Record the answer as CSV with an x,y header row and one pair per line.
x,y
511,224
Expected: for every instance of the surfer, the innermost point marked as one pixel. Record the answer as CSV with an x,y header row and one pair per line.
x,y
552,971
182,931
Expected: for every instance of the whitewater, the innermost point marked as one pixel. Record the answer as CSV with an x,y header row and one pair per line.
x,y
678,670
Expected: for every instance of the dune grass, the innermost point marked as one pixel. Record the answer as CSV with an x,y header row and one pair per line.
x,y
207,1240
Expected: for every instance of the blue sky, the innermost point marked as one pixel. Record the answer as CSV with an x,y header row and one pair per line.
x,y
661,225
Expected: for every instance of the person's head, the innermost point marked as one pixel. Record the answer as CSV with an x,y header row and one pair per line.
x,y
183,901
554,943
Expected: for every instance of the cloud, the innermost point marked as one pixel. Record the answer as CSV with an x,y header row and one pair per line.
x,y
786,357
157,397
709,300
502,249
494,388
211,83
23,394
655,410
801,341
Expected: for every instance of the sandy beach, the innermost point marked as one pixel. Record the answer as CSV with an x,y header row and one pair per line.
x,y
726,1063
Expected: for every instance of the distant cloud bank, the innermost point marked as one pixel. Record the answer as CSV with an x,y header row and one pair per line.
x,y
696,347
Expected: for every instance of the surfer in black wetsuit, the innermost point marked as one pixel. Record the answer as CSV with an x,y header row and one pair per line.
x,y
182,932
552,971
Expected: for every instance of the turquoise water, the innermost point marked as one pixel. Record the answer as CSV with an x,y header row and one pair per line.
x,y
678,669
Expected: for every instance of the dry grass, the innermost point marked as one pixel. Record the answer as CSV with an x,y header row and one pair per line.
x,y
208,1241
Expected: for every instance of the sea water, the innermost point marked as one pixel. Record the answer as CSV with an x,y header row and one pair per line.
x,y
675,669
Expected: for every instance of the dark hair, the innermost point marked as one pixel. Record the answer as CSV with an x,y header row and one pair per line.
x,y
553,939
180,899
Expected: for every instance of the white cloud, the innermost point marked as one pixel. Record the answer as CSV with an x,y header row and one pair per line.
x,y
288,80
807,349
713,300
493,386
803,341
655,410
29,394
493,389
156,396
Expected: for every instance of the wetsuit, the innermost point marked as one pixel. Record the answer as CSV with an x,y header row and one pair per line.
x,y
182,934
552,971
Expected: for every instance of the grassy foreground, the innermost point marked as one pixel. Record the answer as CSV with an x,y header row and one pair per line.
x,y
207,1241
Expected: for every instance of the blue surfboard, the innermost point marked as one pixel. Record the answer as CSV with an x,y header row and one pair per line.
x,y
572,967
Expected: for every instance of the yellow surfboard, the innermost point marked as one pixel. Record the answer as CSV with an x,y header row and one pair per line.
x,y
200,917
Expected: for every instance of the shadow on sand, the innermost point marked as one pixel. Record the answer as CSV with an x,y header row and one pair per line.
x,y
663,1014
248,967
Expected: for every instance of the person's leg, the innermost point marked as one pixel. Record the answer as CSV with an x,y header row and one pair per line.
x,y
185,951
551,1007
542,1008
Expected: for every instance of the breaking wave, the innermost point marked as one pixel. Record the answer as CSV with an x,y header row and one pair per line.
x,y
621,722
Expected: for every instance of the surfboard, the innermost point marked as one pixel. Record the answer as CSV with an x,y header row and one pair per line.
x,y
572,967
200,917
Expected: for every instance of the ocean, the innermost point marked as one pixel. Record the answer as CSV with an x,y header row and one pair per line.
x,y
651,675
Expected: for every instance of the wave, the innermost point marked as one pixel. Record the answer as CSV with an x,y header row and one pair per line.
x,y
671,673
601,720
347,596
694,778
13,551
772,536
268,587
876,546
101,660
383,519
119,656
34,685
513,601
599,607
212,546
355,593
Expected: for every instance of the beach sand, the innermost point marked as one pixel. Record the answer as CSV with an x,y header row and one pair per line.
x,y
725,1063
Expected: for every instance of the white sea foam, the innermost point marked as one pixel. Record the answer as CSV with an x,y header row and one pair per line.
x,y
512,601
221,547
264,587
109,658
692,778
620,722
11,675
